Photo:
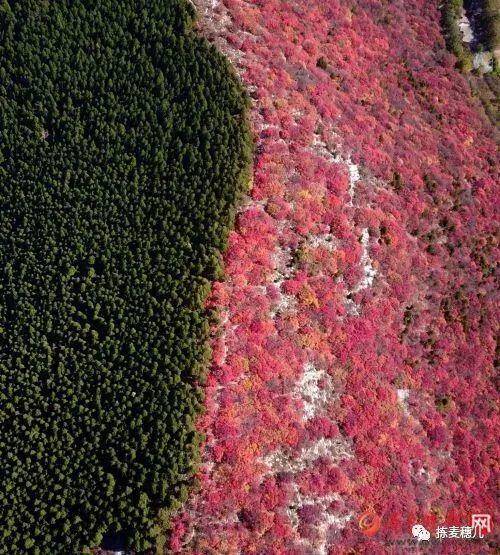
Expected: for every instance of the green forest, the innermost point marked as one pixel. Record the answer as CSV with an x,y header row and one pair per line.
x,y
124,148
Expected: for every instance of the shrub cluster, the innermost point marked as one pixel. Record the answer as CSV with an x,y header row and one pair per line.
x,y
491,22
124,147
451,13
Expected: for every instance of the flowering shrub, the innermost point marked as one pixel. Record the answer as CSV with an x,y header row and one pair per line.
x,y
354,360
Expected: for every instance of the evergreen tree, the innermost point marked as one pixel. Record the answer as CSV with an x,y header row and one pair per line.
x,y
123,149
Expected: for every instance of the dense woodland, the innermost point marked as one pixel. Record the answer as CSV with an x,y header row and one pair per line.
x,y
355,371
123,149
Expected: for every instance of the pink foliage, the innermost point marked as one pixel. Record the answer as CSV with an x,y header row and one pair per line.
x,y
379,288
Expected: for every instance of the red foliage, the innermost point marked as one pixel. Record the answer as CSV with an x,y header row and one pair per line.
x,y
377,294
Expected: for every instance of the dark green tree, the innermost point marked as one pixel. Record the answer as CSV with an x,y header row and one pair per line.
x,y
123,150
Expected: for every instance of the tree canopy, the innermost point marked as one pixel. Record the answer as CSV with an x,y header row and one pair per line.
x,y
123,148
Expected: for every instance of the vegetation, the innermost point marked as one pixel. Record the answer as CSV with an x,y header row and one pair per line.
x,y
491,17
483,85
355,372
123,149
451,13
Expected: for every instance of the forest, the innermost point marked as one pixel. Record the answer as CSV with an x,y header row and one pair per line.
x,y
354,371
124,148
209,347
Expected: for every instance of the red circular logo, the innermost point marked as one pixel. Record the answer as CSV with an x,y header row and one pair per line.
x,y
369,523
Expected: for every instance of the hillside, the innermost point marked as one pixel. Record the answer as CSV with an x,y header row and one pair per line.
x,y
200,358
353,373
123,150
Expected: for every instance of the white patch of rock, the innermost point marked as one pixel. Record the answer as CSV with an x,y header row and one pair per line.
x,y
322,240
354,177
369,271
465,27
483,61
332,449
403,396
314,397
